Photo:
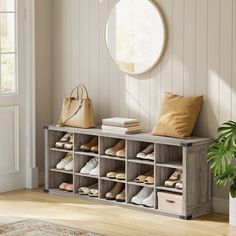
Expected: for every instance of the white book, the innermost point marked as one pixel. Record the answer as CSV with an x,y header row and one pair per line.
x,y
120,122
122,129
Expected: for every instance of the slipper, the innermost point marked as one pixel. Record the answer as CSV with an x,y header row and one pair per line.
x,y
120,176
69,187
141,178
149,180
63,140
113,174
112,151
63,186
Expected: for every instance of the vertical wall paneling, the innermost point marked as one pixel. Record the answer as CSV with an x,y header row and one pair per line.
x,y
200,59
94,54
189,47
103,61
166,64
225,60
213,66
113,80
234,62
201,62
84,42
74,43
178,46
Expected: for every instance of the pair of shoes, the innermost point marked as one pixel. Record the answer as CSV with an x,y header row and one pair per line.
x,y
116,193
175,180
147,178
117,150
66,186
91,146
147,153
91,191
144,197
67,163
91,167
116,174
65,142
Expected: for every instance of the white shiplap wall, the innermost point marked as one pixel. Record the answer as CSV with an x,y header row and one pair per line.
x,y
200,60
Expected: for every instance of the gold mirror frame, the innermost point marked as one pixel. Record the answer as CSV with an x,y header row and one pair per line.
x,y
165,40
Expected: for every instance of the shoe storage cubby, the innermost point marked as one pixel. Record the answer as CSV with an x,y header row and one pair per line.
x,y
167,155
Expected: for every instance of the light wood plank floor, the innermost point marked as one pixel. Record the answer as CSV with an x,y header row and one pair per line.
x,y
104,219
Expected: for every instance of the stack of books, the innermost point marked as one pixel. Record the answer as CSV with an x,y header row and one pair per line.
x,y
121,125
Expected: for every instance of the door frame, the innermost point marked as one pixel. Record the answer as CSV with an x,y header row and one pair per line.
x,y
32,169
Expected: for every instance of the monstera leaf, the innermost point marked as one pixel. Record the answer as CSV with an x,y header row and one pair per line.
x,y
227,134
222,155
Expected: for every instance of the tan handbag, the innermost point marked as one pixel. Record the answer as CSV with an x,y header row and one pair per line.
x,y
77,111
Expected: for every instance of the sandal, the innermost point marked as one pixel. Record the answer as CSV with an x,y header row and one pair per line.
x,y
174,179
60,144
93,192
85,190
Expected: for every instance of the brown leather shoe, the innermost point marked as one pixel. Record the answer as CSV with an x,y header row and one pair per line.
x,y
88,146
112,151
121,196
111,195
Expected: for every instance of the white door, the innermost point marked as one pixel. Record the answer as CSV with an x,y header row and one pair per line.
x,y
12,96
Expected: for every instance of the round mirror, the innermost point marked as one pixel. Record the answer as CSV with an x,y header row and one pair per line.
x,y
135,35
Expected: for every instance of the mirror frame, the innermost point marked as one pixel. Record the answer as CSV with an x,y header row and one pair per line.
x,y
165,41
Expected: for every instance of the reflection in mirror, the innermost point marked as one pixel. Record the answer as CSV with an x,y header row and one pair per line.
x,y
135,35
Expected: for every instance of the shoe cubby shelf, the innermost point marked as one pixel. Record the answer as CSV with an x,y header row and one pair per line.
x,y
188,155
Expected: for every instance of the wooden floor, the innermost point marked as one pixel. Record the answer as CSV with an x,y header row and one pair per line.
x,y
104,219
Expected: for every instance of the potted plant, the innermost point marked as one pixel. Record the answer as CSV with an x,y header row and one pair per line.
x,y
222,159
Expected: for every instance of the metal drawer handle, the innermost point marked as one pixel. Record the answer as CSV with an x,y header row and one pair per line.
x,y
170,201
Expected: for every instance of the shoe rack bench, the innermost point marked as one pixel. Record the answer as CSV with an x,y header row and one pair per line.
x,y
170,154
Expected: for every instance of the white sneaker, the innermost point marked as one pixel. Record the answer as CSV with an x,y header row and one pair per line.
x,y
90,165
66,160
142,194
149,201
95,171
70,166
149,149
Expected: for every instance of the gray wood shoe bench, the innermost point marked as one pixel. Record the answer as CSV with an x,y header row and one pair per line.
x,y
170,154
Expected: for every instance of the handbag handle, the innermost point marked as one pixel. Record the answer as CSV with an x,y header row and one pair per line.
x,y
83,89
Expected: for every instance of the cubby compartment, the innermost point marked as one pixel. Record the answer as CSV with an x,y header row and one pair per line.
x,y
82,181
55,158
136,147
169,156
107,186
57,178
81,139
106,143
108,166
80,161
136,169
163,174
133,190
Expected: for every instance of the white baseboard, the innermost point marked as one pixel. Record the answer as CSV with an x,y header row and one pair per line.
x,y
41,178
220,205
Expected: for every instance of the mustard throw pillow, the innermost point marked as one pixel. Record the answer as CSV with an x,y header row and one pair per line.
x,y
178,116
